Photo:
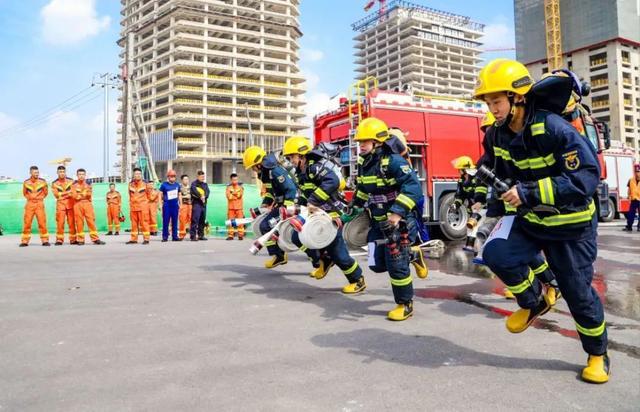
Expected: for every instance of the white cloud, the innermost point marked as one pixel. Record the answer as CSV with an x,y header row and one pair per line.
x,y
312,55
68,22
6,121
313,80
498,35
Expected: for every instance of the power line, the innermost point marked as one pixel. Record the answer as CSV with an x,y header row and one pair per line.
x,y
69,101
61,111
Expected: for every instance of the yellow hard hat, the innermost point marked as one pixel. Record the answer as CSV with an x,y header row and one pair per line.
x,y
296,145
372,129
488,120
503,75
463,162
253,156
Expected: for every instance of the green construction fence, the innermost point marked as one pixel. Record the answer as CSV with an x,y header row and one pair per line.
x,y
12,207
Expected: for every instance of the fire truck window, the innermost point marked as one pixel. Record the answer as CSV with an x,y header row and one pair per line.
x,y
592,135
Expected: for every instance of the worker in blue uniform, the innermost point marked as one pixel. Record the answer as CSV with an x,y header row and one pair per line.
x,y
389,188
320,189
281,191
170,206
554,173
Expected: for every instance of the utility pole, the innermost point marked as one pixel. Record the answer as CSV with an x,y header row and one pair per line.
x,y
106,81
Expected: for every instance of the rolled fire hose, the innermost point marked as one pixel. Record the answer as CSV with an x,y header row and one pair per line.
x,y
318,231
355,231
286,231
255,226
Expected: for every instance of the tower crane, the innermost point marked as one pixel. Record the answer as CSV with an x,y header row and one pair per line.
x,y
553,34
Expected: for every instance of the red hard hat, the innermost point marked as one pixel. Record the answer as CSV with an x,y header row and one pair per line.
x,y
171,172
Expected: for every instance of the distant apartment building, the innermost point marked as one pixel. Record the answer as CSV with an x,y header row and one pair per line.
x,y
416,48
601,44
210,77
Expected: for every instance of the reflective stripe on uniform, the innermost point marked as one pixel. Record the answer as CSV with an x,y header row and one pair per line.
x,y
546,191
521,287
366,179
593,332
380,218
564,219
529,163
351,269
537,129
401,282
406,201
269,243
362,195
541,268
288,202
481,189
321,194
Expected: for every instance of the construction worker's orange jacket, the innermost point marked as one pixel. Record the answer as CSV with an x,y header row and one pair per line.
x,y
35,190
82,191
234,197
62,193
634,189
138,196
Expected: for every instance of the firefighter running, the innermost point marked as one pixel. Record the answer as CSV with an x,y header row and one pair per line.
x,y
390,190
557,174
280,190
320,186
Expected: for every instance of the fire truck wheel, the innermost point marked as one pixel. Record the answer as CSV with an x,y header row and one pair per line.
x,y
453,223
612,212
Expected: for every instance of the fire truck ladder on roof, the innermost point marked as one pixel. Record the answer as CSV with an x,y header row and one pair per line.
x,y
356,96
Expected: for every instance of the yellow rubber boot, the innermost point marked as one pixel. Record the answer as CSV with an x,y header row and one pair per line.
x,y
276,260
508,294
321,271
552,294
597,370
353,288
419,263
521,319
401,312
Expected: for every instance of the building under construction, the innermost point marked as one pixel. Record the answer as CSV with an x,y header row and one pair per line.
x,y
205,79
419,49
600,42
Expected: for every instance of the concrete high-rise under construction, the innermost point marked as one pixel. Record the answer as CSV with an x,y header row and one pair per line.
x,y
411,47
601,44
209,78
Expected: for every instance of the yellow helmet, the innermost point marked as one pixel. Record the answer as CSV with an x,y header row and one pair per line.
x,y
372,129
463,162
503,75
488,120
296,145
253,156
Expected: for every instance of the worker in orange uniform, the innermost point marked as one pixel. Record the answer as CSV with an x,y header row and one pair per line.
x,y
139,208
83,208
154,201
114,205
64,206
634,197
34,190
235,193
184,217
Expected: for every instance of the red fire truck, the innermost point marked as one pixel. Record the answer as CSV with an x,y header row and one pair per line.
x,y
438,129
619,166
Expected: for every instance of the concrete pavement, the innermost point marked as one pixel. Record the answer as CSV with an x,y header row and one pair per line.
x,y
201,326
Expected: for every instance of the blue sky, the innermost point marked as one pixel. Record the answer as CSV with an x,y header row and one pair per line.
x,y
52,49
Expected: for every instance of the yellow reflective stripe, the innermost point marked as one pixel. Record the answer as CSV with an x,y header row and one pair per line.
x,y
521,287
360,160
288,202
303,248
537,128
334,214
269,243
509,208
481,189
535,162
546,191
308,186
593,332
406,201
385,161
541,268
269,195
321,194
268,185
390,181
380,218
500,152
401,282
351,269
564,219
366,179
362,195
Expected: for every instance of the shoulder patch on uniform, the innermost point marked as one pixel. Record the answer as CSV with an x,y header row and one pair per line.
x,y
281,179
571,160
405,169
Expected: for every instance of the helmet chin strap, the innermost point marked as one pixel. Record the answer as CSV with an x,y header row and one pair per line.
x,y
513,105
